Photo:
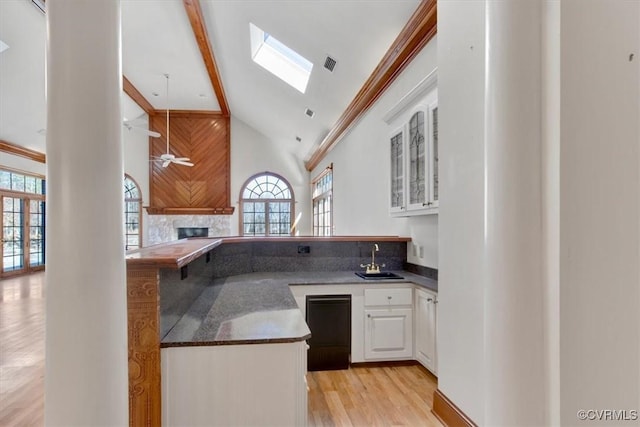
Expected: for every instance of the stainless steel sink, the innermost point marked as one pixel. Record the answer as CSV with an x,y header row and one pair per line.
x,y
379,276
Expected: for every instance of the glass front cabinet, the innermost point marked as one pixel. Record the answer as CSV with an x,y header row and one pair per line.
x,y
413,144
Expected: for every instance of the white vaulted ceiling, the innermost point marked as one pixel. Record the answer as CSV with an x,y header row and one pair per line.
x,y
157,39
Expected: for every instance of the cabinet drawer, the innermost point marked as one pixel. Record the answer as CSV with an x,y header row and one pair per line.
x,y
395,296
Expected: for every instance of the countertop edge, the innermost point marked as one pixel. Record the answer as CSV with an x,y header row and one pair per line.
x,y
178,253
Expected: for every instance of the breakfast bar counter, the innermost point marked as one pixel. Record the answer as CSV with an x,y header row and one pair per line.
x,y
200,309
259,308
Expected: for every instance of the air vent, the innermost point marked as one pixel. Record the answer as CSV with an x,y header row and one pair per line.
x,y
309,112
329,63
39,4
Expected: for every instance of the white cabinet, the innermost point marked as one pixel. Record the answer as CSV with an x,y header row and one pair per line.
x,y
414,151
388,322
425,328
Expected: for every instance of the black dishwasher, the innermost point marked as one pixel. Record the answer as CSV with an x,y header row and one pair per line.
x,y
329,319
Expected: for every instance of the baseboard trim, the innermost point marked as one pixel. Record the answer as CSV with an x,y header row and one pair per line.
x,y
448,413
385,364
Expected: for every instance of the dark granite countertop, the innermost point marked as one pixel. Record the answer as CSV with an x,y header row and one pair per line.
x,y
259,308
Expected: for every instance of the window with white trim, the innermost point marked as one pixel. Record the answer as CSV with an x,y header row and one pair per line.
x,y
132,214
323,203
266,206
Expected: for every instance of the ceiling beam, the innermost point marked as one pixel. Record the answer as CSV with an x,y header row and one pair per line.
x,y
420,28
137,97
18,150
194,11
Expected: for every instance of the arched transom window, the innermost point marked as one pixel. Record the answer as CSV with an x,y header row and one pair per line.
x,y
266,203
132,214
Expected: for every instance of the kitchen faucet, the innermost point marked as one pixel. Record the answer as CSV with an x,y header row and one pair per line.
x,y
373,267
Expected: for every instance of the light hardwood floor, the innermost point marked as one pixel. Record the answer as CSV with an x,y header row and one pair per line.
x,y
22,351
359,396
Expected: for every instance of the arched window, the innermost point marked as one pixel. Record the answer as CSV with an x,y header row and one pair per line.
x,y
266,206
132,214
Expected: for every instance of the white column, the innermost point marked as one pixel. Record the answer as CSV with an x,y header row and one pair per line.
x,y
461,283
514,334
86,336
491,319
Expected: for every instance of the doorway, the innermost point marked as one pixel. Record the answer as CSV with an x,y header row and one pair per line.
x,y
23,235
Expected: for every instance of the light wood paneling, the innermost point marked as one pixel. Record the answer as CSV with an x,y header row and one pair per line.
x,y
203,188
413,37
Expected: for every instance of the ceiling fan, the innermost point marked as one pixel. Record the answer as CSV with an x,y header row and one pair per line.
x,y
168,158
135,126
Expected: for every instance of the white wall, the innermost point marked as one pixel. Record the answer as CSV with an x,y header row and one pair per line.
x,y
251,153
361,172
22,164
136,164
599,211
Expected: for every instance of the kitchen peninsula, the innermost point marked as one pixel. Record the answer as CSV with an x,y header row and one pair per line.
x,y
215,319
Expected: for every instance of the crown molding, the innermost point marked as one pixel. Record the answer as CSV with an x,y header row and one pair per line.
x,y
420,28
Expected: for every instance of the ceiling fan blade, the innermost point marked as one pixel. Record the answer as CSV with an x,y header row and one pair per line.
x,y
180,162
148,132
182,159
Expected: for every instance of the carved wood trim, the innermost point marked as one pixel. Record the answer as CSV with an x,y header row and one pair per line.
x,y
448,413
18,150
420,28
143,319
194,12
138,98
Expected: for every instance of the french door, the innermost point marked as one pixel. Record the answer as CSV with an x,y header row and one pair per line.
x,y
23,231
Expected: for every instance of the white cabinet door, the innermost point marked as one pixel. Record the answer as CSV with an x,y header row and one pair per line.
x,y
426,318
388,334
413,143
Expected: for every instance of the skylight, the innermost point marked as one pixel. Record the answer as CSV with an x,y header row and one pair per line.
x,y
277,58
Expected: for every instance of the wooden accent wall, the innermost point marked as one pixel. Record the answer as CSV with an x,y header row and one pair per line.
x,y
203,189
143,318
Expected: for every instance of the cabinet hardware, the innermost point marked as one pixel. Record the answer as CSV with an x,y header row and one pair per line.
x,y
430,300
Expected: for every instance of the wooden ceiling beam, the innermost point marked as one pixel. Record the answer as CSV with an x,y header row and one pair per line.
x,y
420,28
194,12
137,97
18,150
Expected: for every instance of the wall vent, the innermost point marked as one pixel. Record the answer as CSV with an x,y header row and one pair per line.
x,y
329,63
309,112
